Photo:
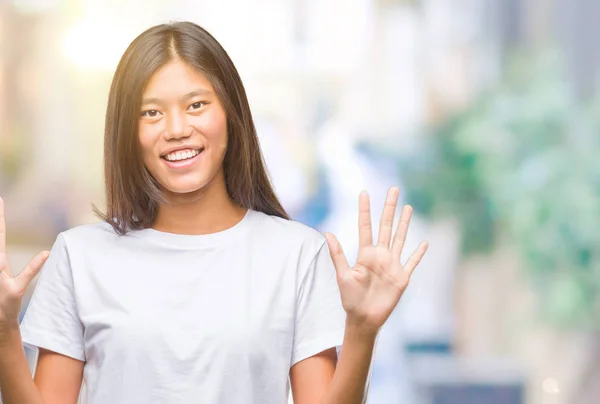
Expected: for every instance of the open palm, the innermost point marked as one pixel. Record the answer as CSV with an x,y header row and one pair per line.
x,y
12,289
372,288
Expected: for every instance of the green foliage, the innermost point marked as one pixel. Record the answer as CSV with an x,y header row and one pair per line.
x,y
524,162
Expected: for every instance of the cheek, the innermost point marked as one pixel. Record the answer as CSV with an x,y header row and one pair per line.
x,y
213,126
147,141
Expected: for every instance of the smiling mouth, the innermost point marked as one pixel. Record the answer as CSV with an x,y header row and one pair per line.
x,y
182,155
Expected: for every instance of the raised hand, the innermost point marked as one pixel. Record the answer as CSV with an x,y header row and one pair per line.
x,y
12,288
372,288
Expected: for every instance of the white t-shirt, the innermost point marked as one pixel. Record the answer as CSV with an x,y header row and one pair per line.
x,y
167,318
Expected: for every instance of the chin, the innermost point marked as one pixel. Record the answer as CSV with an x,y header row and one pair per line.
x,y
188,184
183,188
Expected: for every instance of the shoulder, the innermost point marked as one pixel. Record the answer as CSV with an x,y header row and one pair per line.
x,y
87,234
288,233
287,229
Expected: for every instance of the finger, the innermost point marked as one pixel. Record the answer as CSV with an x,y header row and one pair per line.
x,y
415,258
337,255
365,231
32,269
2,228
387,218
401,232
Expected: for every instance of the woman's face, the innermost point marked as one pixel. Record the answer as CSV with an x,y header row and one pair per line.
x,y
182,129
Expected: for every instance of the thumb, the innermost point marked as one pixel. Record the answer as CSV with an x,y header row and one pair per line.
x,y
31,270
337,255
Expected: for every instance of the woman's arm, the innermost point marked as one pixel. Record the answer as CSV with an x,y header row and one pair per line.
x,y
16,384
311,377
58,377
349,381
318,380
370,290
57,380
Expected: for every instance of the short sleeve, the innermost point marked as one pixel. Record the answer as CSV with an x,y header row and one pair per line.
x,y
320,318
51,321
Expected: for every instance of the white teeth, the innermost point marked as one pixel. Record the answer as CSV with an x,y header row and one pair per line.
x,y
182,155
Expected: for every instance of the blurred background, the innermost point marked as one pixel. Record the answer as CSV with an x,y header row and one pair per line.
x,y
485,112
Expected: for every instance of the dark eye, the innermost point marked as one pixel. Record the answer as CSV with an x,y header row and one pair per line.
x,y
197,105
150,113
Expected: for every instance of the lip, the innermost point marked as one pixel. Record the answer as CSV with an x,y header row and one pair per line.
x,y
184,147
183,164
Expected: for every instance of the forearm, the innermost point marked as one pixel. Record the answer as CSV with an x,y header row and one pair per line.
x,y
352,371
16,383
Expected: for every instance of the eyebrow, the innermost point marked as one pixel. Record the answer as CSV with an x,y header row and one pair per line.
x,y
191,94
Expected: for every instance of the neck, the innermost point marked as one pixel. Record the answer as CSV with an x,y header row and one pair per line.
x,y
208,210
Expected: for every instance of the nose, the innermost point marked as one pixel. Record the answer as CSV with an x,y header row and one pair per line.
x,y
176,127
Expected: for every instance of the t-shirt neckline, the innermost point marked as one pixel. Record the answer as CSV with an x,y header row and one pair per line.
x,y
198,240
